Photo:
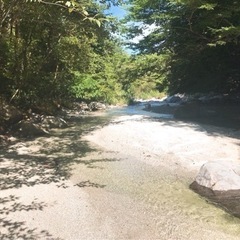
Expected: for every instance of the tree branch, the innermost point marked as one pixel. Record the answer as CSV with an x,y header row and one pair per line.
x,y
62,6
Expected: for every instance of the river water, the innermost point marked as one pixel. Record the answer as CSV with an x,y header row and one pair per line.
x,y
137,200
108,176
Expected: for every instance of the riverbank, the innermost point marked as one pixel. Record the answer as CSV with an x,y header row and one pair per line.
x,y
219,110
119,175
162,157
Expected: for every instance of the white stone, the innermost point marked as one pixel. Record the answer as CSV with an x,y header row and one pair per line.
x,y
219,176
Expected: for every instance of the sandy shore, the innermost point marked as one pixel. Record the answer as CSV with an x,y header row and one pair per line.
x,y
125,180
169,143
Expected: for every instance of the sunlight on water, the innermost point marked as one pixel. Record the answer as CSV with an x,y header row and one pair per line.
x,y
124,192
166,197
169,200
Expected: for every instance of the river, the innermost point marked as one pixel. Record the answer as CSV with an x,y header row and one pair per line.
x,y
121,174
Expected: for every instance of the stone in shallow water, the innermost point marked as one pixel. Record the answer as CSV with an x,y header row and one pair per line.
x,y
220,183
219,176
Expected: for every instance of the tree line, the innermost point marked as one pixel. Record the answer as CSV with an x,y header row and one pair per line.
x,y
56,51
200,40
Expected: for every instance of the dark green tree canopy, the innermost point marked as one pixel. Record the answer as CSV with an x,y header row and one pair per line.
x,y
45,45
56,50
203,38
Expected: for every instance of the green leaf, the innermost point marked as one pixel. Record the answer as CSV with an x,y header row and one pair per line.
x,y
208,6
221,43
98,22
85,12
68,4
212,44
70,10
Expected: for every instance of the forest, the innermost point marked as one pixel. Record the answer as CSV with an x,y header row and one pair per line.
x,y
162,162
53,52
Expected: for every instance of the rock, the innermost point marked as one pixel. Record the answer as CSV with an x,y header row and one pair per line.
x,y
84,106
220,183
218,177
10,114
94,106
189,111
54,122
4,140
147,106
211,99
28,129
36,118
81,106
174,99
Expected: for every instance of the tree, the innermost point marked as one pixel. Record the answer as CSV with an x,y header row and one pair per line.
x,y
102,82
202,37
44,43
143,76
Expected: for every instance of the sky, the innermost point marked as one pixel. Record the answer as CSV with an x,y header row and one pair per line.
x,y
117,11
120,12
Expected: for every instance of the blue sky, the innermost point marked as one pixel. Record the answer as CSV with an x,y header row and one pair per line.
x,y
117,11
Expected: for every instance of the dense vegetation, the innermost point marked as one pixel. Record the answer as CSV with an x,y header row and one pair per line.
x,y
55,51
200,37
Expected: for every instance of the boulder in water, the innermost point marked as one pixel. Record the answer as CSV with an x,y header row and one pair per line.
x,y
218,176
220,183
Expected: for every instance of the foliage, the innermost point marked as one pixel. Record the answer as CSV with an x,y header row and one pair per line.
x,y
143,76
203,37
86,87
101,81
48,46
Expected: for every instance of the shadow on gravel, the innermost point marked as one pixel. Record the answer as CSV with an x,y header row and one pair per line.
x,y
206,128
212,116
48,159
92,163
52,163
227,200
15,229
88,183
225,115
44,160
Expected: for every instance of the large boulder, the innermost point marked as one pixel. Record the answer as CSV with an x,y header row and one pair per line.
x,y
4,141
26,128
54,122
220,183
190,111
218,176
95,106
174,99
10,114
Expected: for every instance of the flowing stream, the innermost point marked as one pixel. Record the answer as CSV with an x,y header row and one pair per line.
x,y
142,201
96,190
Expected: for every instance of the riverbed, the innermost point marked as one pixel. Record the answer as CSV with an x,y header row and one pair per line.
x,y
120,174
